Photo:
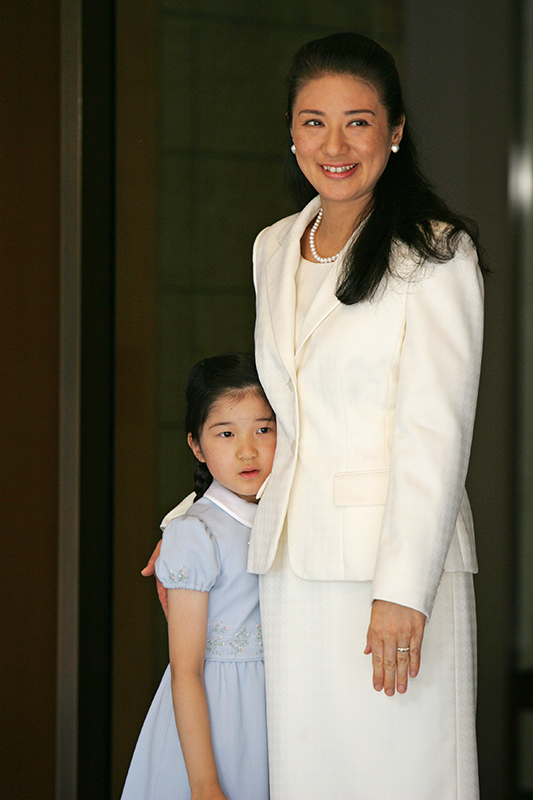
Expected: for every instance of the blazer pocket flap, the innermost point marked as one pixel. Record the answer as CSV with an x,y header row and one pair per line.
x,y
361,488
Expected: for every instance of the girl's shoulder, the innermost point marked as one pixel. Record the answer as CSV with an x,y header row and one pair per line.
x,y
190,556
200,521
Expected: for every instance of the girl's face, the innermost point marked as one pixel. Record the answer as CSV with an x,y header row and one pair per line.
x,y
342,138
238,442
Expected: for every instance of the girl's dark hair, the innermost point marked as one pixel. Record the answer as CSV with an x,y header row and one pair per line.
x,y
404,206
207,382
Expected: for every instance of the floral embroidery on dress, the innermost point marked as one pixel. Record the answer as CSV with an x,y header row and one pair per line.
x,y
239,642
214,641
180,577
221,642
258,640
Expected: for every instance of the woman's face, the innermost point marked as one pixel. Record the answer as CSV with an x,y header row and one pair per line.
x,y
342,138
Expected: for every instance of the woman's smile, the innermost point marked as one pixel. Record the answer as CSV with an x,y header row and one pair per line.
x,y
338,171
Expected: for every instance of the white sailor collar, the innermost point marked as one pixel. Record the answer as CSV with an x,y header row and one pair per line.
x,y
232,504
239,509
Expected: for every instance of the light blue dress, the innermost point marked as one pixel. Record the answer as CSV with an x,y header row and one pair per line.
x,y
207,550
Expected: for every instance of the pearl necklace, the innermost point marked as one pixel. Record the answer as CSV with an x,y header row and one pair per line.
x,y
312,245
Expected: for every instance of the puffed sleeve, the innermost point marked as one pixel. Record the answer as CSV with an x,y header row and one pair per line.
x,y
433,424
189,557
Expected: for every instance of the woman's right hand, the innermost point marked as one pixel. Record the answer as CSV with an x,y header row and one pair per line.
x,y
150,570
394,639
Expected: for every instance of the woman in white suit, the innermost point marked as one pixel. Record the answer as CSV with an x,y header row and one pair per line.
x,y
368,346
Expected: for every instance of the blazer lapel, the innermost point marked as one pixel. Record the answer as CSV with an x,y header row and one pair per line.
x,y
323,304
325,300
281,288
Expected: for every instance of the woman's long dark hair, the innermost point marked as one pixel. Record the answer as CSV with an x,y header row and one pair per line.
x,y
404,205
208,381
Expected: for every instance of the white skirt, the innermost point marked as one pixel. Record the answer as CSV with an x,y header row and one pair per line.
x,y
331,735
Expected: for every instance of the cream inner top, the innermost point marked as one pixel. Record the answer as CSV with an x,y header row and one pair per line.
x,y
309,277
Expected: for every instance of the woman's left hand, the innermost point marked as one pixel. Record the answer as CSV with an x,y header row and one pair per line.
x,y
392,629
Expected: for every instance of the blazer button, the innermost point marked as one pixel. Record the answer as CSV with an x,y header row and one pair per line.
x,y
293,447
290,384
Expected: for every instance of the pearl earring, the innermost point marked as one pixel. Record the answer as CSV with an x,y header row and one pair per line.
x,y
395,147
293,149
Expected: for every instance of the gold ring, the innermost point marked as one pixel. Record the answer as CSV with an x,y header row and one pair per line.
x,y
403,649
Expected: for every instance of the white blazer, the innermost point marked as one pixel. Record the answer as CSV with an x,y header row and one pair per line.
x,y
375,409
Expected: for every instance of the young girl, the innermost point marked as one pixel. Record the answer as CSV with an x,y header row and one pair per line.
x,y
205,734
